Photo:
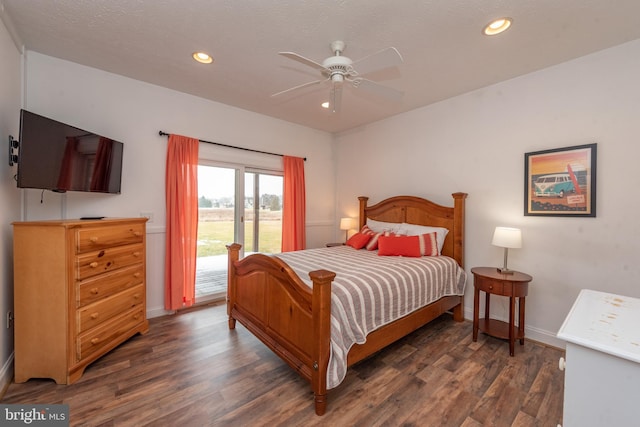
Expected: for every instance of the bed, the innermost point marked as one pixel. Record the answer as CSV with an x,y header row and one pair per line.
x,y
292,314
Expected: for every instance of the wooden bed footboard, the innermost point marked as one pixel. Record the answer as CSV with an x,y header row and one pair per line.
x,y
269,299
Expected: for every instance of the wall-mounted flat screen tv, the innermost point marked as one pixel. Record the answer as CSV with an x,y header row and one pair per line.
x,y
59,157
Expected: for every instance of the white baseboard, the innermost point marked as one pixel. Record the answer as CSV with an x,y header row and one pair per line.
x,y
157,312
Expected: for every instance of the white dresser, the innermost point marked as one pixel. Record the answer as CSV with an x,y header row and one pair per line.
x,y
602,369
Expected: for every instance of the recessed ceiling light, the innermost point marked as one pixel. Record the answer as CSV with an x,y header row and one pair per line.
x,y
325,104
202,57
497,26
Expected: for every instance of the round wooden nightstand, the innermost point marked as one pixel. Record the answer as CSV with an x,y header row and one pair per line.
x,y
492,282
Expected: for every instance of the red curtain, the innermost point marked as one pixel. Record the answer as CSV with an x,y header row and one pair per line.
x,y
101,168
182,221
294,205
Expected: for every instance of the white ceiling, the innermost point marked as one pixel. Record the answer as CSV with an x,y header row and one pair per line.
x,y
445,53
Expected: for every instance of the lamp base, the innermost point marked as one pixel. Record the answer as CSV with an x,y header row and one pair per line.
x,y
504,270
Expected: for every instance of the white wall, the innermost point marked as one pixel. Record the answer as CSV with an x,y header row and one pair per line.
x,y
476,142
133,112
10,98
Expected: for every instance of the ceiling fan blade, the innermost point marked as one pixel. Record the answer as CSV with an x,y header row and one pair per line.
x,y
303,60
316,82
378,89
386,58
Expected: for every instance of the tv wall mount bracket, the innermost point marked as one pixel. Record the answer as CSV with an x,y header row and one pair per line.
x,y
13,145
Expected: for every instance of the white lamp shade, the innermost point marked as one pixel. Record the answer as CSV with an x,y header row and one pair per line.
x,y
347,223
507,237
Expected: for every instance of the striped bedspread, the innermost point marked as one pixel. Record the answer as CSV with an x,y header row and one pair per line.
x,y
370,291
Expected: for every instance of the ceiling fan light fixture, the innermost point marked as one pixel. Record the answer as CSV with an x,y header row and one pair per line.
x,y
202,57
337,78
497,26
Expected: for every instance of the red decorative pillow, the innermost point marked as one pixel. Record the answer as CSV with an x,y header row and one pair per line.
x,y
366,230
359,240
399,246
372,245
411,246
429,244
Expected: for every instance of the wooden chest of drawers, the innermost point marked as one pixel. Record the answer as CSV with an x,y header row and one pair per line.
x,y
79,291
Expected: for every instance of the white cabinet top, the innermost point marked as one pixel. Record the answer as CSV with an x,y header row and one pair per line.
x,y
606,322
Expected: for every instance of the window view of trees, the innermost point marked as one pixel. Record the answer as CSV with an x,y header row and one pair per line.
x,y
271,202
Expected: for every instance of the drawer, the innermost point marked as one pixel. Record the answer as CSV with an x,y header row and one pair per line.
x,y
99,312
106,260
495,287
99,287
109,332
93,238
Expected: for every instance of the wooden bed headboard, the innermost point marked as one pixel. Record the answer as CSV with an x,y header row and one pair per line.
x,y
416,210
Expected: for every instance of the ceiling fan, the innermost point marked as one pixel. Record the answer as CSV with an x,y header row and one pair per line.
x,y
338,69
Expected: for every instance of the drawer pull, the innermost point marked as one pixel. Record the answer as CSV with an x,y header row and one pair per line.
x,y
94,316
491,287
94,291
137,275
136,316
136,254
137,233
94,264
136,296
95,341
562,364
93,239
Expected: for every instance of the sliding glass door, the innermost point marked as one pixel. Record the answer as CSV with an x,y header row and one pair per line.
x,y
263,213
236,204
216,228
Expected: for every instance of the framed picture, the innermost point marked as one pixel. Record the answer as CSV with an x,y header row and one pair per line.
x,y
561,182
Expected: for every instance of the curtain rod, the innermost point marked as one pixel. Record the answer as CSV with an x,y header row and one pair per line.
x,y
161,133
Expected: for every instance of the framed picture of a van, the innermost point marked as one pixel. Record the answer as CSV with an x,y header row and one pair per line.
x,y
561,182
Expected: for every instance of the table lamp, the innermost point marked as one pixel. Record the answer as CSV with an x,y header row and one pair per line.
x,y
347,224
507,237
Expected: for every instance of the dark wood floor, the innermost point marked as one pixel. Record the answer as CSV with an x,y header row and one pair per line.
x,y
190,370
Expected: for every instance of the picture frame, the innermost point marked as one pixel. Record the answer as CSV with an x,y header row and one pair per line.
x,y
561,182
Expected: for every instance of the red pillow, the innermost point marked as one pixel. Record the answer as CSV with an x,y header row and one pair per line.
x,y
411,246
366,230
429,244
399,246
359,240
372,245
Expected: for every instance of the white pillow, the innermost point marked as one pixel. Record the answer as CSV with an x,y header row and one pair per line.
x,y
417,230
380,226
